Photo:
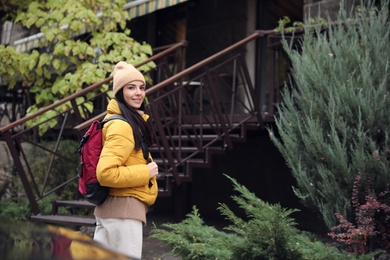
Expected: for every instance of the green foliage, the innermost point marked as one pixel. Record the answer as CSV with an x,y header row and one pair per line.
x,y
5,176
14,210
267,232
191,239
9,8
274,228
19,208
66,63
24,240
63,167
297,25
314,248
334,117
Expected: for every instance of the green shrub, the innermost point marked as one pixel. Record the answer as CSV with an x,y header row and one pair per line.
x,y
333,121
191,239
267,232
12,210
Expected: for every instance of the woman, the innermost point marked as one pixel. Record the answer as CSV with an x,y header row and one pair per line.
x,y
123,168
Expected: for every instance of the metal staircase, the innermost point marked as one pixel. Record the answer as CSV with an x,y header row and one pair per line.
x,y
196,112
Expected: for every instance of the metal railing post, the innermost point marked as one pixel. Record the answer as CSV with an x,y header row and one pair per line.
x,y
22,174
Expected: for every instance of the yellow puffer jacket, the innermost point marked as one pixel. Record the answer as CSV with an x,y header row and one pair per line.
x,y
120,166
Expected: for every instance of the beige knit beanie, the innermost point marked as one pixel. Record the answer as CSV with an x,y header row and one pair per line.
x,y
125,73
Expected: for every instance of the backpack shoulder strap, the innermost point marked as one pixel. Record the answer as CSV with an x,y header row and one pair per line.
x,y
114,117
145,147
98,125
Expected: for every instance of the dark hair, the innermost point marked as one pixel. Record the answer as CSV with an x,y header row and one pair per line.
x,y
141,128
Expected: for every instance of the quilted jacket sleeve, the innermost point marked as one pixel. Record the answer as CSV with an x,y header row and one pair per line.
x,y
120,165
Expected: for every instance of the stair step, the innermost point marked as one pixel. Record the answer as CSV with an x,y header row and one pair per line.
x,y
199,161
183,177
204,126
204,137
191,137
74,203
70,203
65,220
183,149
164,193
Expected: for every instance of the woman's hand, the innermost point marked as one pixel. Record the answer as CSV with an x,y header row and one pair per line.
x,y
153,168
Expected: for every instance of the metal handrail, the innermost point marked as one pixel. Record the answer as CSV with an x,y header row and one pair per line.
x,y
206,61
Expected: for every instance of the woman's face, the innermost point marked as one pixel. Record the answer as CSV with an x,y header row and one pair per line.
x,y
134,93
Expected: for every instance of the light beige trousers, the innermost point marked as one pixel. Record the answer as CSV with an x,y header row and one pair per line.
x,y
121,235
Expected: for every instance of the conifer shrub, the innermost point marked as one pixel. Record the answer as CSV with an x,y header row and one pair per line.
x,y
192,239
334,115
266,232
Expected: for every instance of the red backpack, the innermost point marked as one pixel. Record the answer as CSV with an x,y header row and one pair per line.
x,y
89,149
